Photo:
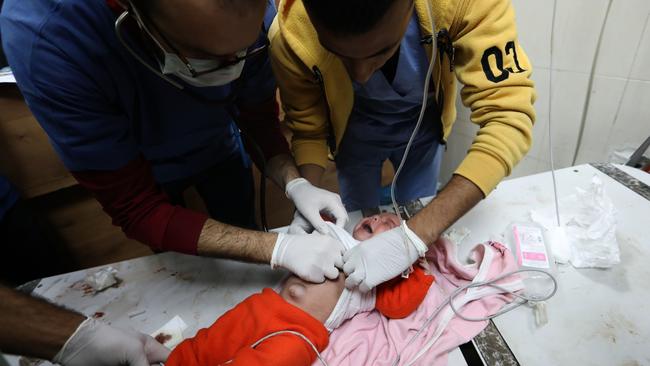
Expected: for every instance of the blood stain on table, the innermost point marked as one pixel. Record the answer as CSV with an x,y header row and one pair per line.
x,y
83,287
162,338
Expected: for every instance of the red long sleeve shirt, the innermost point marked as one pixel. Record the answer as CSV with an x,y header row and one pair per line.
x,y
136,203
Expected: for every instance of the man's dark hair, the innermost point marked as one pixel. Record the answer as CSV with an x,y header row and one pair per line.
x,y
150,6
348,17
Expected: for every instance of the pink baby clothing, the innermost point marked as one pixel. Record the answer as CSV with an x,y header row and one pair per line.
x,y
372,339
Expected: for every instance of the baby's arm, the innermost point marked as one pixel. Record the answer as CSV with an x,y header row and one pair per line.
x,y
399,297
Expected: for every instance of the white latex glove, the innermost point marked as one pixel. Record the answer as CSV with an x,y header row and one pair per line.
x,y
300,225
95,343
311,257
310,201
382,258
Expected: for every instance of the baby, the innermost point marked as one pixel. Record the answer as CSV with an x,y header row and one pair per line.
x,y
305,309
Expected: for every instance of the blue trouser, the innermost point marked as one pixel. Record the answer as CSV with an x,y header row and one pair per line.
x,y
359,165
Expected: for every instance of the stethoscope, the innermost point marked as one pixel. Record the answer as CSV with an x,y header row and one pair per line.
x,y
228,103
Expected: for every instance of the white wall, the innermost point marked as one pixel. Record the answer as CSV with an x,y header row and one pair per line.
x,y
619,111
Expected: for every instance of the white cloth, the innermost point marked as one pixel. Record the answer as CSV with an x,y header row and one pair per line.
x,y
351,302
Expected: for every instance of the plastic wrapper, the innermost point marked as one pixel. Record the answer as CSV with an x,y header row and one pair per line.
x,y
589,221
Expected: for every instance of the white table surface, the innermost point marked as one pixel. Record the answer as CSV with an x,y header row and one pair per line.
x,y
197,289
598,317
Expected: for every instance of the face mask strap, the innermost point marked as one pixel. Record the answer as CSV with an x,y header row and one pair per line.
x,y
132,11
118,31
139,18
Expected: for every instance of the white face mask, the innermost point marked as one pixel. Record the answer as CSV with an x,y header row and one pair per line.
x,y
173,65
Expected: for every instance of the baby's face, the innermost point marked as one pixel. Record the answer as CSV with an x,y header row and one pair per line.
x,y
374,225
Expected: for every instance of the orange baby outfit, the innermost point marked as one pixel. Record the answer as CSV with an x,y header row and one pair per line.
x,y
231,336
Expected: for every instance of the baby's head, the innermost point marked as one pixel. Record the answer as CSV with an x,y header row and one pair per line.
x,y
373,225
321,299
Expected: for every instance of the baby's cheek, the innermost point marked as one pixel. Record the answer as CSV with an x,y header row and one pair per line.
x,y
361,235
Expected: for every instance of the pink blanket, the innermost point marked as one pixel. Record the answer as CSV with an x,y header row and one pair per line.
x,y
371,339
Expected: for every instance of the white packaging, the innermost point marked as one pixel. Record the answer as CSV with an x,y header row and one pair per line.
x,y
589,221
530,248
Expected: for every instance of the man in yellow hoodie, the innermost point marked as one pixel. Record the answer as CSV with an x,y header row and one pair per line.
x,y
351,75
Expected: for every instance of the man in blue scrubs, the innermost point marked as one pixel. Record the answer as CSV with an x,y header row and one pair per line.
x,y
386,107
140,98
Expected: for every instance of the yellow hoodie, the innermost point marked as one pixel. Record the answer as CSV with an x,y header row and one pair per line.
x,y
482,51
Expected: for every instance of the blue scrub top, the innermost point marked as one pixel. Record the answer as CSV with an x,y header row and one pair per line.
x,y
384,113
8,196
101,108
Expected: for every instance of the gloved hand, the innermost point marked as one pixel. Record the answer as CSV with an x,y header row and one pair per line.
x,y
299,224
382,258
311,257
95,343
310,201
